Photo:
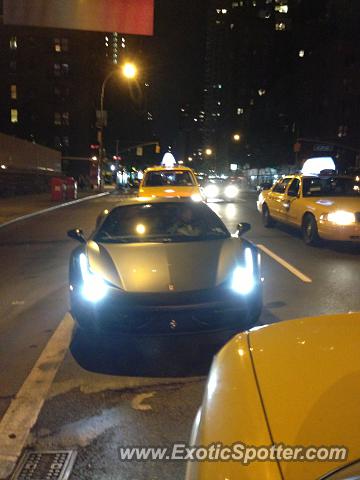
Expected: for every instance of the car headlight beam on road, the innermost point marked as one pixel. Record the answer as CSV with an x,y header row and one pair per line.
x,y
231,191
341,217
243,281
212,191
94,288
196,197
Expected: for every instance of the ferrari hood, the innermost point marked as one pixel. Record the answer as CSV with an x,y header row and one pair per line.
x,y
164,267
308,373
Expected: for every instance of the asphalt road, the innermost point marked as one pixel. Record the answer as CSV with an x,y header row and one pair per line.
x,y
140,391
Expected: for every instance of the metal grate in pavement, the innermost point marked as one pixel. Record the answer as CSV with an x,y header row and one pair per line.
x,y
50,465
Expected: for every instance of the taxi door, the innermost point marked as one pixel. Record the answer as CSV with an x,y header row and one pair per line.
x,y
276,197
292,203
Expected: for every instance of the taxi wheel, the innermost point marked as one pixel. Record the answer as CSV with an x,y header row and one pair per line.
x,y
268,221
309,230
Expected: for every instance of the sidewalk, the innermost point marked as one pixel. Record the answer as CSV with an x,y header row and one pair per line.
x,y
15,207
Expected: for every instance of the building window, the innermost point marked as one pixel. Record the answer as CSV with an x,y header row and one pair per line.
x,y
57,45
343,131
282,8
240,111
57,69
12,66
13,92
261,92
13,43
14,116
65,118
280,26
61,45
66,141
302,53
57,118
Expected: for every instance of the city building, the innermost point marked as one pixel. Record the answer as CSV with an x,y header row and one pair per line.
x,y
50,88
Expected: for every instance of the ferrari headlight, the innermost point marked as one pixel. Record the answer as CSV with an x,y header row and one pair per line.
x,y
341,217
212,191
243,280
94,287
231,191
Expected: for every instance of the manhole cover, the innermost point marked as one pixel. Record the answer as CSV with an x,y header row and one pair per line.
x,y
54,465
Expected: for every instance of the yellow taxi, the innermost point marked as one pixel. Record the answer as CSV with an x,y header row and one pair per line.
x,y
325,206
170,182
282,403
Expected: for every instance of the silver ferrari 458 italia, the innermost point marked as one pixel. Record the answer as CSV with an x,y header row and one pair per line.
x,y
164,266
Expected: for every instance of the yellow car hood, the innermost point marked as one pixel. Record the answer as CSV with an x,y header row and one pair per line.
x,y
350,204
168,191
308,373
160,267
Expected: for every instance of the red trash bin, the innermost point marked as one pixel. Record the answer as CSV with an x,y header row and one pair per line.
x,y
71,188
57,189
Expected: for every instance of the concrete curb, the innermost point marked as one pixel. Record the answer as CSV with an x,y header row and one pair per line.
x,y
50,209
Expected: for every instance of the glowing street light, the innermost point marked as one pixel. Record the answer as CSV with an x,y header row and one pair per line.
x,y
236,137
208,151
129,70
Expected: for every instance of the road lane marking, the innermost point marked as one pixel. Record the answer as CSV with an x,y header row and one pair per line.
x,y
137,404
24,410
304,278
50,209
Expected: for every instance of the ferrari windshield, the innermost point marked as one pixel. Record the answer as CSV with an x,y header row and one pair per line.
x,y
161,222
331,187
175,178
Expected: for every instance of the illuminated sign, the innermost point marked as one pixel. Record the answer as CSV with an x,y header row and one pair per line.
x,y
313,166
124,16
168,160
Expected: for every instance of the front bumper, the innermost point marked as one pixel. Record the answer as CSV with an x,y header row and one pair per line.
x,y
347,233
166,313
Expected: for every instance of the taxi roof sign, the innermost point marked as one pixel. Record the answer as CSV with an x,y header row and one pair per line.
x,y
313,166
168,160
123,16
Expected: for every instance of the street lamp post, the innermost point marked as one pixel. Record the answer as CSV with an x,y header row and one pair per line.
x,y
129,71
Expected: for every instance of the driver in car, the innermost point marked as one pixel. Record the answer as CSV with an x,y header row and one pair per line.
x,y
186,224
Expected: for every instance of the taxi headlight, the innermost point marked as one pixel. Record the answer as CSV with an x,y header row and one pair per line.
x,y
243,280
341,217
196,197
231,191
94,287
212,191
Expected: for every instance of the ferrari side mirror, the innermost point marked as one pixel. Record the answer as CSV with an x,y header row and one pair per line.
x,y
77,234
243,228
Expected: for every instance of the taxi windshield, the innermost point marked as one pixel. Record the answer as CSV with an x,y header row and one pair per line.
x,y
163,222
178,178
331,187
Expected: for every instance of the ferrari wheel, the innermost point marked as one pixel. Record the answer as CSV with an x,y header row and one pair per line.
x,y
309,230
268,221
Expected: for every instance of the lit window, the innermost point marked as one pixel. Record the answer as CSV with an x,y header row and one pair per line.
x,y
13,92
261,92
302,53
66,141
235,4
252,102
219,86
123,39
123,45
282,8
13,43
65,68
57,118
254,3
280,26
57,45
240,111
224,11
14,117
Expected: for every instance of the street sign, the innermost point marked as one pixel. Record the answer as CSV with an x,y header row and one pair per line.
x,y
123,16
